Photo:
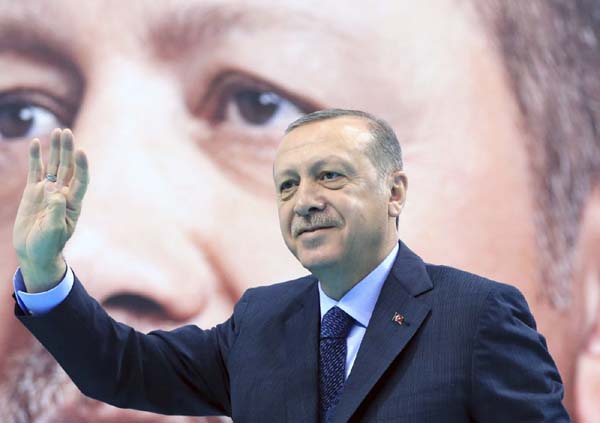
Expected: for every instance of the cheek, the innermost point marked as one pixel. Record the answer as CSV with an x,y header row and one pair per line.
x,y
364,212
285,216
13,173
12,334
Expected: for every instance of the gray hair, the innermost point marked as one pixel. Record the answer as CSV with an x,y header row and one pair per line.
x,y
384,151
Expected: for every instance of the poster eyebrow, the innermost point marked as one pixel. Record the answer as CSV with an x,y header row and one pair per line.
x,y
176,32
32,37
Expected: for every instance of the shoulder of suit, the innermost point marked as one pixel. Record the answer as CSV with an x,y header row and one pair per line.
x,y
268,302
460,281
282,290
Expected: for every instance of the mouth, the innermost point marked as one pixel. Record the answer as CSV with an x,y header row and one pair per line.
x,y
312,230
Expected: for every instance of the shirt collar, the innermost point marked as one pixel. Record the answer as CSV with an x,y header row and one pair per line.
x,y
360,301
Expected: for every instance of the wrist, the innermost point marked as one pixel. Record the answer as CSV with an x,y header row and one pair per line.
x,y
40,278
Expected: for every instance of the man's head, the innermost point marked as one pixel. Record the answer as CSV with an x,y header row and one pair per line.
x,y
180,106
340,188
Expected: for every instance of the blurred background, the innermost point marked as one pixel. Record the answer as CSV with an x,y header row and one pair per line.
x,y
180,106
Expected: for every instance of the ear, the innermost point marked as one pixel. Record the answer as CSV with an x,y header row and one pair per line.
x,y
587,274
397,183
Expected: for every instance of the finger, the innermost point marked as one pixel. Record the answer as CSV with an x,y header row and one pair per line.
x,y
53,160
35,162
66,157
80,180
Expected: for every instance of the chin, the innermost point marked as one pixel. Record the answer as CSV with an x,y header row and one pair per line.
x,y
314,260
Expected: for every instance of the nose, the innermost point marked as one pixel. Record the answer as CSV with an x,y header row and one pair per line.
x,y
308,199
132,248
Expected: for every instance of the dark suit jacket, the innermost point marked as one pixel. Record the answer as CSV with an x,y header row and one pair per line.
x,y
467,350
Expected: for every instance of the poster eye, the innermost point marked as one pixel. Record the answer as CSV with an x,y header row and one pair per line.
x,y
22,120
26,114
241,100
260,107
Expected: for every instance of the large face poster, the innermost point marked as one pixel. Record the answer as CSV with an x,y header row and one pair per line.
x,y
180,106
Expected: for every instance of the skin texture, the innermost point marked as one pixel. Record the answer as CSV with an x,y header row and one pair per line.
x,y
180,215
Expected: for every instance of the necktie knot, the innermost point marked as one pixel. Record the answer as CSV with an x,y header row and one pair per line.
x,y
336,323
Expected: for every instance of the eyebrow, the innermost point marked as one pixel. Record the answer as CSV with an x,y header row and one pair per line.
x,y
331,160
30,34
31,31
178,31
318,165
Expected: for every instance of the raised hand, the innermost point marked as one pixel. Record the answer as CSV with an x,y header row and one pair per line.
x,y
49,210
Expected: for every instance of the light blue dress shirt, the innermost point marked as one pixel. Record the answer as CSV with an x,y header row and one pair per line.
x,y
42,302
359,303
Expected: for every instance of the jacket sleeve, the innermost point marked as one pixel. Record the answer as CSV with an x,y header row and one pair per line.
x,y
514,378
183,371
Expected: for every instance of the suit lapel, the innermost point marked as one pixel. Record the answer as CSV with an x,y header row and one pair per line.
x,y
301,332
386,338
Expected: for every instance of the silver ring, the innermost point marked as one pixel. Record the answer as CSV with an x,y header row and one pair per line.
x,y
51,178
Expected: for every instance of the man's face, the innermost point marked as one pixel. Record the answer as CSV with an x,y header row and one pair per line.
x,y
180,106
333,209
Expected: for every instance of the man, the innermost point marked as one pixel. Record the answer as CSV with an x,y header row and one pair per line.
x,y
385,315
439,78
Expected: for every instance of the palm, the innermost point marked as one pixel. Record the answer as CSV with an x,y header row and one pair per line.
x,y
46,220
36,234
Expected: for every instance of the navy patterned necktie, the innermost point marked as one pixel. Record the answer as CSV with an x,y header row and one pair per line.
x,y
335,326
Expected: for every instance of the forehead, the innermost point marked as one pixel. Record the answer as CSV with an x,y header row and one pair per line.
x,y
341,138
180,24
168,26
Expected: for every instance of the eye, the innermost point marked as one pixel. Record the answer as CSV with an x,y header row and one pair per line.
x,y
21,118
286,186
241,121
240,100
330,176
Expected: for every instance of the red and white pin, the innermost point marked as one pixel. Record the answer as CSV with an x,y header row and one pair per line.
x,y
398,318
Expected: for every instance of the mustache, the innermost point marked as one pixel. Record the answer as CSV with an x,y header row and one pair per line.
x,y
35,389
33,384
312,222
